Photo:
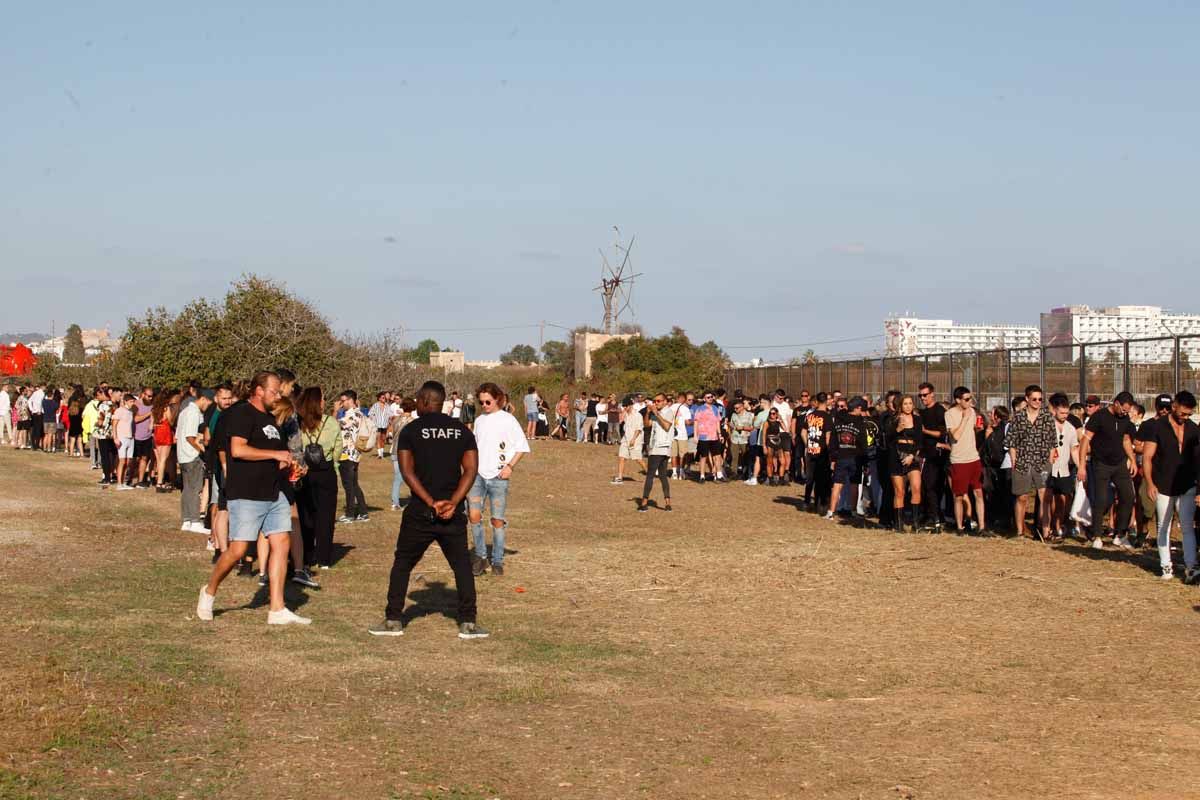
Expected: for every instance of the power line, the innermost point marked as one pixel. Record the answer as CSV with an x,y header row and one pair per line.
x,y
797,346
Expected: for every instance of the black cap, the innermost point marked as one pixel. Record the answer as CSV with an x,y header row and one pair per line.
x,y
1163,401
857,404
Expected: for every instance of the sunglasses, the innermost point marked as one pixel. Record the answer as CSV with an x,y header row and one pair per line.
x,y
965,398
1037,399
924,394
487,402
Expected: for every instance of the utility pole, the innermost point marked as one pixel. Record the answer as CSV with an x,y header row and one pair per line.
x,y
541,335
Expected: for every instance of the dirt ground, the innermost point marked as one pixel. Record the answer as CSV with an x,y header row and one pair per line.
x,y
734,648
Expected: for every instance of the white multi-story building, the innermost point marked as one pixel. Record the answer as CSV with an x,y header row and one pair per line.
x,y
911,336
1069,326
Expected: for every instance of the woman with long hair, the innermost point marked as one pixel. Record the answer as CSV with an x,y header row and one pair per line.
x,y
164,437
904,436
321,448
75,423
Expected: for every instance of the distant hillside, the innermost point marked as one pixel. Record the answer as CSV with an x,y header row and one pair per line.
x,y
9,338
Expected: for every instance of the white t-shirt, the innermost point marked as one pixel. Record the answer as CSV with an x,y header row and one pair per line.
x,y
499,437
1068,437
660,440
785,414
602,409
5,403
35,401
680,413
187,425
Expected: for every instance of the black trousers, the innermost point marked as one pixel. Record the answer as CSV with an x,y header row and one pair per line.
x,y
317,504
818,481
417,532
657,465
933,487
1105,478
356,504
108,458
36,430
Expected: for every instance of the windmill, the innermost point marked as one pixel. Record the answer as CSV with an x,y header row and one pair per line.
x,y
616,285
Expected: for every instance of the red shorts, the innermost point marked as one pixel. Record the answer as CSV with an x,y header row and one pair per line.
x,y
966,478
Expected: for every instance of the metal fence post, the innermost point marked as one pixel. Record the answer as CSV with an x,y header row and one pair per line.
x,y
903,374
1125,367
866,381
925,370
1178,371
979,372
1082,373
1042,368
1008,389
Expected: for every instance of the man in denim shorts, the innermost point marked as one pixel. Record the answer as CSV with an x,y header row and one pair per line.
x,y
501,445
257,461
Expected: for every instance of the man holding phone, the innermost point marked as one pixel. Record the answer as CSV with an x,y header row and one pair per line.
x,y
438,459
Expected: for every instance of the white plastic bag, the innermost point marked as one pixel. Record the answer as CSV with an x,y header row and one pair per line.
x,y
1081,507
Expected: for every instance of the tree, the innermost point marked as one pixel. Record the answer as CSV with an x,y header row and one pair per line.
x,y
520,354
558,355
420,353
73,350
665,362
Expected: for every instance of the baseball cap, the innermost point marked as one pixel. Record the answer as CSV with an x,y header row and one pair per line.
x,y
857,404
1163,401
1092,400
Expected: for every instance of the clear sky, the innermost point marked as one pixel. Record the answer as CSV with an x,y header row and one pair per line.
x,y
792,171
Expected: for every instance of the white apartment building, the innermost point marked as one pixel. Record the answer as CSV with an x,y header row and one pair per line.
x,y
912,336
1071,325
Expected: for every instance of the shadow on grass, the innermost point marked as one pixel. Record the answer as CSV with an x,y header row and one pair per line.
x,y
433,598
1147,561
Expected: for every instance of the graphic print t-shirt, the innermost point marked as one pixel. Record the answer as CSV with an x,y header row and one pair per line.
x,y
252,480
849,437
437,442
817,423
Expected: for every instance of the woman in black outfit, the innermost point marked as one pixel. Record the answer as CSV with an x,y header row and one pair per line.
x,y
320,444
904,439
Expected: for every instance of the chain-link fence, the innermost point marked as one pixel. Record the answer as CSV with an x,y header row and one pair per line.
x,y
1144,367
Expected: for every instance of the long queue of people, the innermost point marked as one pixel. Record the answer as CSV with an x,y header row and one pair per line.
x,y
1105,473
259,462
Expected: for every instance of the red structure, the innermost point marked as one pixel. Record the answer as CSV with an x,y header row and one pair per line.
x,y
16,360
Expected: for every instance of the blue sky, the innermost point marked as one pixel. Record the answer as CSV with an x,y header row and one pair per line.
x,y
792,171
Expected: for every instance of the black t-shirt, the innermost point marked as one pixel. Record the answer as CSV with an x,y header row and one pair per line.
x,y
905,442
591,407
1174,466
849,437
933,419
1108,435
817,423
251,480
1075,421
437,442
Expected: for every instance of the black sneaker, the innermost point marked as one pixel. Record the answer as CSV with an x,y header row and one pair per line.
x,y
498,570
472,630
362,518
389,627
264,579
478,567
305,578
245,569
643,509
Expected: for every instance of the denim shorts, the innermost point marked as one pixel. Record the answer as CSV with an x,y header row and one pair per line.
x,y
248,517
484,488
531,416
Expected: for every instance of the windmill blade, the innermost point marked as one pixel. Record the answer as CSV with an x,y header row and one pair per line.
x,y
625,260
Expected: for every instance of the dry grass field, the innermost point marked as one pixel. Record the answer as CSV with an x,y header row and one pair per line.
x,y
734,648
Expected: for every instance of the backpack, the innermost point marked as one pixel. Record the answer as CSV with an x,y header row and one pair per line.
x,y
365,435
314,454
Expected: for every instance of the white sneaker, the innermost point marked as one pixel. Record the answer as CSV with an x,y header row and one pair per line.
x,y
205,605
186,526
1168,573
1097,543
198,527
828,515
209,546
617,481
285,616
1122,542
124,487
751,482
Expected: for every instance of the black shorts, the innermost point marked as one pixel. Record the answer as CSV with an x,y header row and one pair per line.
x,y
143,448
848,471
1064,485
24,424
785,442
713,448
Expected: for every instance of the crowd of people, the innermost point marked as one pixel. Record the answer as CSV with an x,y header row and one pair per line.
x,y
1107,473
259,462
